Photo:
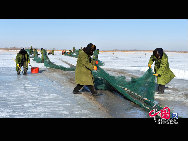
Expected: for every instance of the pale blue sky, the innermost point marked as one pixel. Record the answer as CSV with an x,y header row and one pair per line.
x,y
106,34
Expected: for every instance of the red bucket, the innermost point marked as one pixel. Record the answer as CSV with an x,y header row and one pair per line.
x,y
34,69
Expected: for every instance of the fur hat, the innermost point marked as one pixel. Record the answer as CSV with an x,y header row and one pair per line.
x,y
89,49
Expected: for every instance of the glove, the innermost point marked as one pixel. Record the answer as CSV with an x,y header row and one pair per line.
x,y
96,62
155,74
95,67
149,65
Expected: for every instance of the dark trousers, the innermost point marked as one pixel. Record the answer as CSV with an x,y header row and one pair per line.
x,y
91,88
161,88
24,67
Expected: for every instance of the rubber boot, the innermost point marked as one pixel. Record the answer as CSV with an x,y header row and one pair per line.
x,y
161,89
77,88
77,92
25,71
93,91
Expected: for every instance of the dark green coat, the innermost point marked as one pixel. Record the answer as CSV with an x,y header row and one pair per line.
x,y
162,68
35,53
42,55
83,72
52,52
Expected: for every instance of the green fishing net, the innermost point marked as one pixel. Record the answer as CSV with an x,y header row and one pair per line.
x,y
143,86
139,90
50,64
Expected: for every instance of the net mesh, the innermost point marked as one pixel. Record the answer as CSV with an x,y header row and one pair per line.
x,y
143,86
139,90
37,59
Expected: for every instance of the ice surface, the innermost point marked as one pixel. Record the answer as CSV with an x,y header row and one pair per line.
x,y
35,95
58,57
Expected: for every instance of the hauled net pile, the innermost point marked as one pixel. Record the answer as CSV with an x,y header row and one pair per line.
x,y
139,90
144,86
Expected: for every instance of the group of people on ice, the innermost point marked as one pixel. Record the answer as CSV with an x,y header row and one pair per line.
x,y
85,66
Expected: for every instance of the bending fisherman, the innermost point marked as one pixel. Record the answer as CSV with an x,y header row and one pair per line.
x,y
162,71
22,59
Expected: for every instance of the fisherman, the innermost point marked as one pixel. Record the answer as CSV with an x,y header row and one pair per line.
x,y
35,53
70,53
162,71
42,55
63,52
22,59
73,50
53,52
31,50
83,72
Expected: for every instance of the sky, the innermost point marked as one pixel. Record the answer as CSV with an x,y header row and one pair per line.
x,y
106,34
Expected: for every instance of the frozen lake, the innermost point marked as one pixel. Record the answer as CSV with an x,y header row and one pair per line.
x,y
49,93
136,63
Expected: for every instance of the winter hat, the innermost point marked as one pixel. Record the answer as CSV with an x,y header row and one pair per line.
x,y
89,49
158,52
22,51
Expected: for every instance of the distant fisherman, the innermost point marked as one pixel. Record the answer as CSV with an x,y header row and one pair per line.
x,y
31,51
162,71
42,55
22,59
